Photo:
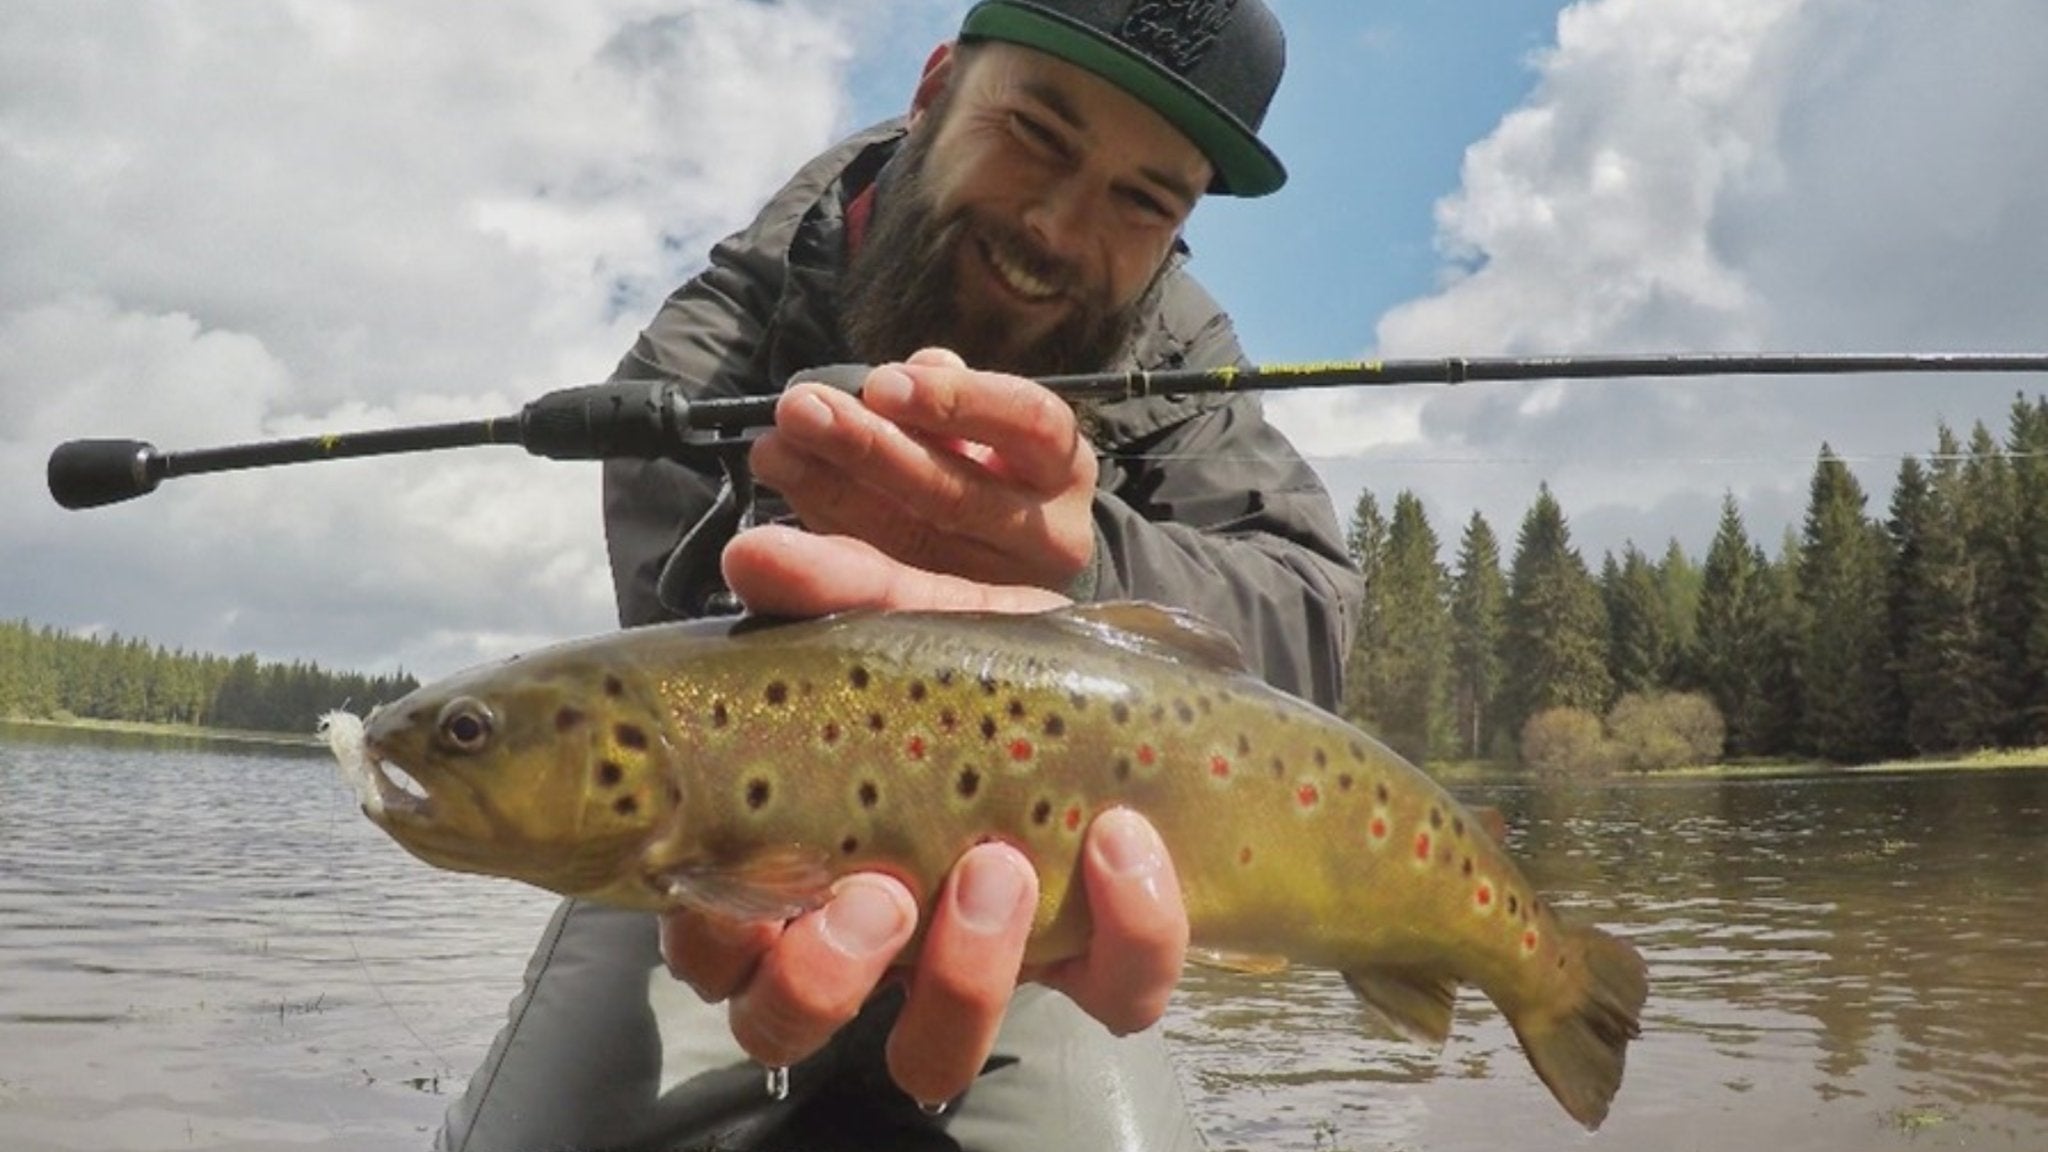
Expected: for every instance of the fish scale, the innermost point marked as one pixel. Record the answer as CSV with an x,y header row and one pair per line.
x,y
742,769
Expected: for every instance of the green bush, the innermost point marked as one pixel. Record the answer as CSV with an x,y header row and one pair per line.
x,y
1650,731
1566,742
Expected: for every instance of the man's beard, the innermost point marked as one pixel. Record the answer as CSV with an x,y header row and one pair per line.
x,y
901,292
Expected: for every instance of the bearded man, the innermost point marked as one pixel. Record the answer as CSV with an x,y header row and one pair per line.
x,y
1025,219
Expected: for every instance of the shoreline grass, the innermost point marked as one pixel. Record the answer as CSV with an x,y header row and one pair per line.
x,y
162,731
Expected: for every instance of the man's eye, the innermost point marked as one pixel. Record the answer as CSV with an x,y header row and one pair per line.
x,y
1038,135
1147,203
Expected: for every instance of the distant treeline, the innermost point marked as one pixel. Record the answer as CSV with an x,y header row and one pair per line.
x,y
45,673
1860,639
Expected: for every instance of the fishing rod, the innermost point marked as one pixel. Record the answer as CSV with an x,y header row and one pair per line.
x,y
656,419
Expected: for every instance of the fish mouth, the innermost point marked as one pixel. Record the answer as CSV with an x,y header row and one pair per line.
x,y
385,790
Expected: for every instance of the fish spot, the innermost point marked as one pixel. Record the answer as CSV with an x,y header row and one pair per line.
x,y
1422,847
614,687
869,794
1244,856
1444,855
1514,904
675,796
1016,708
989,686
858,677
1021,750
1077,701
1041,813
1322,758
610,774
1219,767
1120,712
1147,755
917,691
915,748
630,736
626,806
1279,767
1529,941
1468,866
1378,828
1308,795
1344,782
1458,826
948,720
1123,769
849,846
945,677
777,693
1436,818
720,716
877,722
988,727
830,733
1484,896
969,784
1184,711
1205,705
1055,725
1379,793
1244,745
1073,818
758,793
567,718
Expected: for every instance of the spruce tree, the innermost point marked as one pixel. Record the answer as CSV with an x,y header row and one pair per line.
x,y
1412,713
1555,651
1479,594
1844,660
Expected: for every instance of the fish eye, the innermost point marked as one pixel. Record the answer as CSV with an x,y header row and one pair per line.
x,y
465,724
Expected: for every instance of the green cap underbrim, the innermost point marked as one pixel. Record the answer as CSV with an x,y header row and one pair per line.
x,y
1244,166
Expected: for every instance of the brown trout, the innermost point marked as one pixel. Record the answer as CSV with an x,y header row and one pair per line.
x,y
741,768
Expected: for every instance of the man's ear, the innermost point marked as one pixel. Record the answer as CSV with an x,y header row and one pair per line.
x,y
938,72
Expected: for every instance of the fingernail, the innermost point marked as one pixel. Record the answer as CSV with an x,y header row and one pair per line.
x,y
805,414
1126,843
889,387
863,917
989,888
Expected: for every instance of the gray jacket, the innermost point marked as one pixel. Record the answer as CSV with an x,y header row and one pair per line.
x,y
1201,503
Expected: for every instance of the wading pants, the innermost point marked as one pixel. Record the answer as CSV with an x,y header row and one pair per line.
x,y
604,1050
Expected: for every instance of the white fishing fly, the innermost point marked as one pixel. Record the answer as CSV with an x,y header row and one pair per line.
x,y
343,732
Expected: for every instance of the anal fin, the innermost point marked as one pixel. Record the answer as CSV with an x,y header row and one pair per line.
x,y
1414,1002
1246,963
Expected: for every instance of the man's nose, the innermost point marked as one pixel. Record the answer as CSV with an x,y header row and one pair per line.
x,y
1058,219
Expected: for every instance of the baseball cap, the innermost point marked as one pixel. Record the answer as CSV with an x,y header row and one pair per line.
x,y
1210,67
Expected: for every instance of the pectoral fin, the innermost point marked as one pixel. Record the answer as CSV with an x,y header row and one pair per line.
x,y
1414,1002
775,884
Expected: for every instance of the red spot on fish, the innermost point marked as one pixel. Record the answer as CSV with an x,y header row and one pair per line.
x,y
1307,796
1244,855
1529,941
1218,767
915,749
1146,755
1020,749
1422,846
1073,818
1484,896
1378,828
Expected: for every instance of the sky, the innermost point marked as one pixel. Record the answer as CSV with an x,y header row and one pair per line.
x,y
232,220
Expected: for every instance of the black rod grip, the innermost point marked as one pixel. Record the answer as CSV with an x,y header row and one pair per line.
x,y
92,473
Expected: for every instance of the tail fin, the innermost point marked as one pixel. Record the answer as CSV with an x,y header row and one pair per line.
x,y
1579,1052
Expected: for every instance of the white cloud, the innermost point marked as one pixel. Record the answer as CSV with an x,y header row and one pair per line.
x,y
231,220
1785,175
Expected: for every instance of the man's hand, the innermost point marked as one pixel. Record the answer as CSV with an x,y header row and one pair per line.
x,y
792,985
944,468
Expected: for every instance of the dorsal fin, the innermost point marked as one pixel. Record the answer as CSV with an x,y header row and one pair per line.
x,y
1156,630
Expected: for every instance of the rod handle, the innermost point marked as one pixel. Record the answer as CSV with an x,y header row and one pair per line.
x,y
93,473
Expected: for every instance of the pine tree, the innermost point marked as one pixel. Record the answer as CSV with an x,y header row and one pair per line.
x,y
1555,650
1365,671
1479,593
1728,656
1844,657
1416,662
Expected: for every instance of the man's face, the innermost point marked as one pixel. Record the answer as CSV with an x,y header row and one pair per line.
x,y
1031,212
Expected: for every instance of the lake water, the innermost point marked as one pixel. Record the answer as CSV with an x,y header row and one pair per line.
x,y
211,949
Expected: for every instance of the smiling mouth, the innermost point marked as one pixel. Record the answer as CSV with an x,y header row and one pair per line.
x,y
1016,275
